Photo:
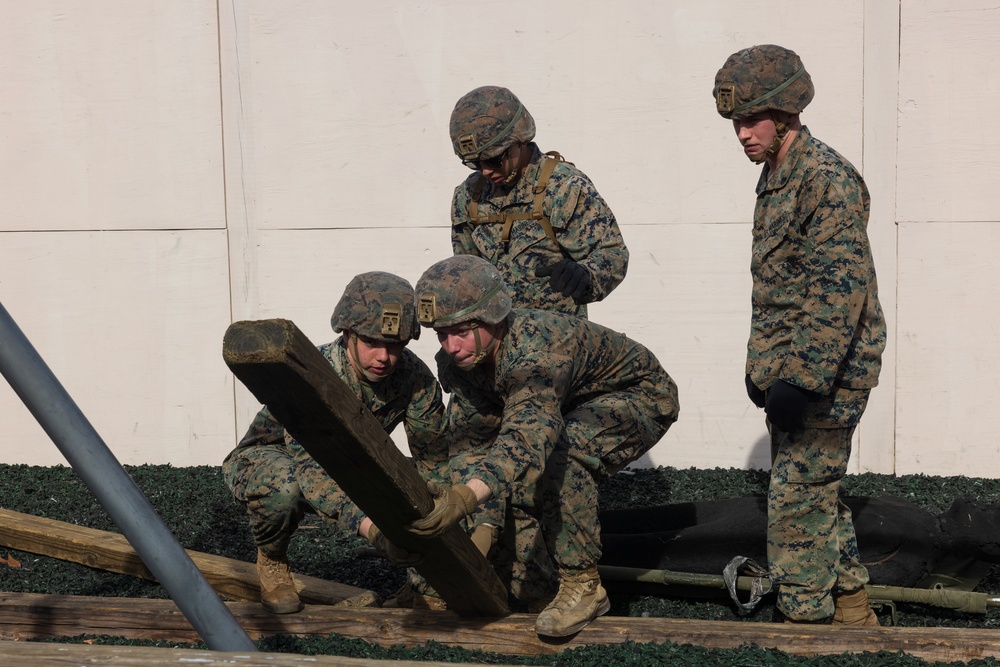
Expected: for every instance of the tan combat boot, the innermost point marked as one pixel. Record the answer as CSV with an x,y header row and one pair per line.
x,y
277,590
580,600
407,598
853,608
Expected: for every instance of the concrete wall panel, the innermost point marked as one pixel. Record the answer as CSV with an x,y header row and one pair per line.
x,y
131,324
110,116
171,167
949,349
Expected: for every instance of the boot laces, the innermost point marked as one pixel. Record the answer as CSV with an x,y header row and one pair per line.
x,y
571,592
273,567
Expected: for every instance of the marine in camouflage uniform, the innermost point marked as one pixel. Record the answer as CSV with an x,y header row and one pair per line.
x,y
569,402
542,223
816,336
277,480
534,216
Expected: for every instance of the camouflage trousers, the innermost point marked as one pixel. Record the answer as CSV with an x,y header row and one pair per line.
x,y
812,550
520,556
553,524
277,490
601,437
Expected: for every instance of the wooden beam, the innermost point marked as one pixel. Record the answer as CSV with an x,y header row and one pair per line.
x,y
103,550
33,616
286,372
71,655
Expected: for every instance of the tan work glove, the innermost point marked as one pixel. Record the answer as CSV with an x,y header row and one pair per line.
x,y
484,537
395,555
451,505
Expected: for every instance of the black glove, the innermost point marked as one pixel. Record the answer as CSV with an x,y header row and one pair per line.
x,y
785,405
755,393
566,277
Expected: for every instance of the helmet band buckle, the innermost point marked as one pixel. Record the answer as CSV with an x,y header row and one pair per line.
x,y
427,308
392,315
467,144
725,100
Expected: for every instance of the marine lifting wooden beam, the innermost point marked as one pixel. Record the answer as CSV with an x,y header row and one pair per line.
x,y
286,372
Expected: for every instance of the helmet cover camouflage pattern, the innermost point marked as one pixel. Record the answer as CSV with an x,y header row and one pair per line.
x,y
761,78
461,289
486,121
378,306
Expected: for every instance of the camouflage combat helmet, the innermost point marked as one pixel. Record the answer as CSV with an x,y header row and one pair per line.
x,y
378,306
461,289
761,78
486,121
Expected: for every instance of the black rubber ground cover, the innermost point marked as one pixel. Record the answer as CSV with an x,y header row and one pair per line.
x,y
907,525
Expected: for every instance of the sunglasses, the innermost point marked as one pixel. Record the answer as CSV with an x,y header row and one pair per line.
x,y
493,163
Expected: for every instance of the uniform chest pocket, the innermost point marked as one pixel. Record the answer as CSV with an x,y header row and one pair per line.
x,y
522,229
774,245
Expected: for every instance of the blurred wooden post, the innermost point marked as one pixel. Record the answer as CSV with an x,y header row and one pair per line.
x,y
103,550
286,372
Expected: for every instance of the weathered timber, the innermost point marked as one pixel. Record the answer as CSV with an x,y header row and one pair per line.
x,y
74,655
30,616
286,372
103,550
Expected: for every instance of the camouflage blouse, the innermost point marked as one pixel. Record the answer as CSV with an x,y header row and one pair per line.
x,y
410,396
548,365
816,321
583,224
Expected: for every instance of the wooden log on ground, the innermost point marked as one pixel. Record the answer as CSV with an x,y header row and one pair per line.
x,y
103,550
286,372
73,655
30,615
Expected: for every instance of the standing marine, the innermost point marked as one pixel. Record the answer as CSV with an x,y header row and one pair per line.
x,y
817,331
534,216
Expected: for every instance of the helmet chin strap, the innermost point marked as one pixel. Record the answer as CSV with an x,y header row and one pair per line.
x,y
516,172
481,352
780,132
352,354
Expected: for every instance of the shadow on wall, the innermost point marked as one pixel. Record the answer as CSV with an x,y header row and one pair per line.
x,y
759,457
760,454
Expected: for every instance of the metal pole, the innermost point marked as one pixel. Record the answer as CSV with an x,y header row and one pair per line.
x,y
117,492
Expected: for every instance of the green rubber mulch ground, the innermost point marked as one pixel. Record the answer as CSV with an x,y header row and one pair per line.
x,y
196,505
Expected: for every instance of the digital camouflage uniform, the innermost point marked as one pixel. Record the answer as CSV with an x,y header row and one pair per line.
x,y
546,213
278,481
584,227
816,324
570,399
